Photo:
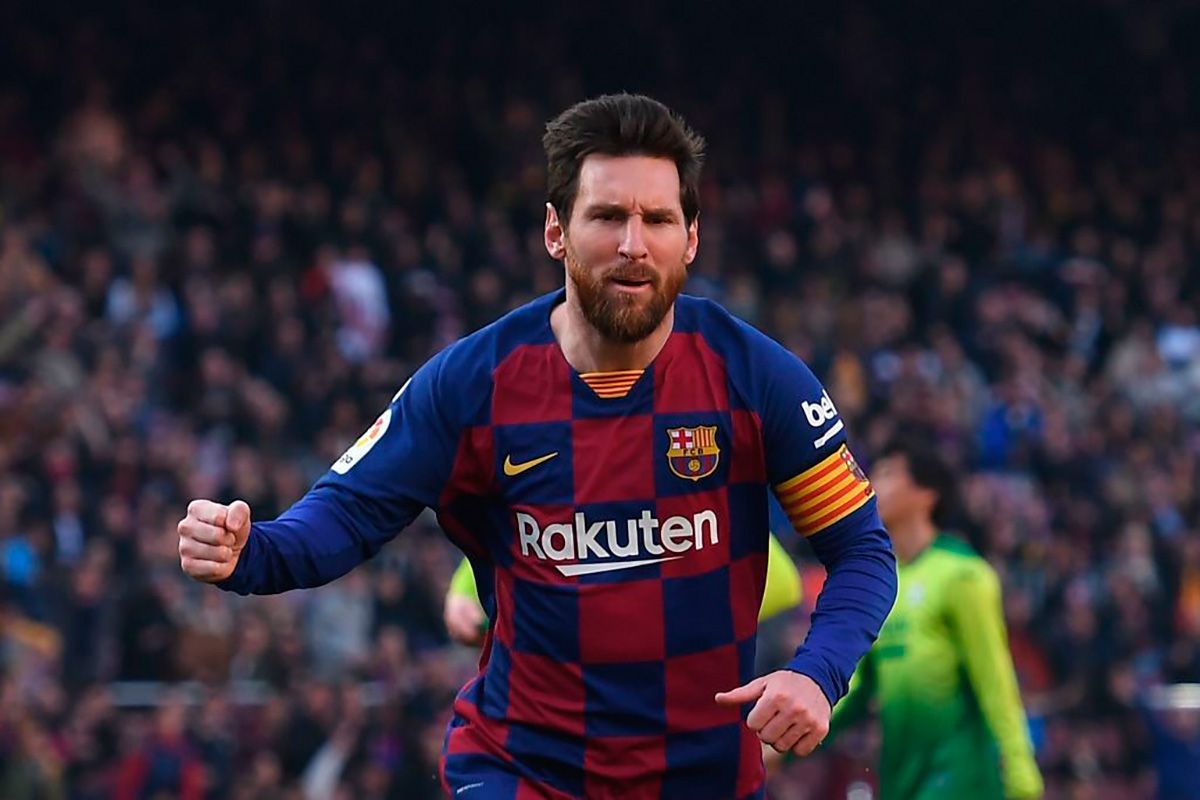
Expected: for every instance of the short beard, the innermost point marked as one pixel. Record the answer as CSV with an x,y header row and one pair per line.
x,y
619,317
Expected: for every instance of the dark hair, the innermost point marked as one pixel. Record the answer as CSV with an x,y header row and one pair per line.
x,y
929,471
617,125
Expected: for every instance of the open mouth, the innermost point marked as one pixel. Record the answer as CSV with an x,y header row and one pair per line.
x,y
632,283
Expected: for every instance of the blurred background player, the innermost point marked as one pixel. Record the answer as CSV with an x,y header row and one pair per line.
x,y
940,675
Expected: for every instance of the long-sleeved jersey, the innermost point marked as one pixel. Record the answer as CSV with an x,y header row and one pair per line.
x,y
617,527
950,711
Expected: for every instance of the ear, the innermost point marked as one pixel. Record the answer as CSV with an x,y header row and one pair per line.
x,y
693,241
554,234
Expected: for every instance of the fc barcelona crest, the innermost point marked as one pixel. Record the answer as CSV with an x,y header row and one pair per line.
x,y
693,452
852,465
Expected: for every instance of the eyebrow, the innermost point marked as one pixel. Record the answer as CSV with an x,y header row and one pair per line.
x,y
617,208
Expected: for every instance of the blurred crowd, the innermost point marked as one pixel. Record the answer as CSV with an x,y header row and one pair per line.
x,y
227,238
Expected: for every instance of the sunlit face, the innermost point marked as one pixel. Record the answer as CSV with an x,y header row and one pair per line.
x,y
626,247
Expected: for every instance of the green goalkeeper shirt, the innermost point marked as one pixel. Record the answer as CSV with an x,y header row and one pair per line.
x,y
950,712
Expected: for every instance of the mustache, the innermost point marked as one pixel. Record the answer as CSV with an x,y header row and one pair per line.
x,y
632,273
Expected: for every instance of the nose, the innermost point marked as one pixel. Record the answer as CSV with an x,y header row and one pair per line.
x,y
633,240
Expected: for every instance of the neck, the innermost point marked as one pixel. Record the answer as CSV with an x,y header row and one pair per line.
x,y
586,350
911,537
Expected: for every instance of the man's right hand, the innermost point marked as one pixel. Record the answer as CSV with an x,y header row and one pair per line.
x,y
211,538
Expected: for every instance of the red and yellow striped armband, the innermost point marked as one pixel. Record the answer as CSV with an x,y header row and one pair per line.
x,y
830,491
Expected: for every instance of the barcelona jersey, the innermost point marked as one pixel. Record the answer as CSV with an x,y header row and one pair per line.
x,y
617,527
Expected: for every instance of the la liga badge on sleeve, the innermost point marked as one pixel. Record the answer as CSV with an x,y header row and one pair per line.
x,y
364,443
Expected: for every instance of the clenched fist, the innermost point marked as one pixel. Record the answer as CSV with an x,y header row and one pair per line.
x,y
211,538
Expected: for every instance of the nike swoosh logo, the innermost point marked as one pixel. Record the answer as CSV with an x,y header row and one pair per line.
x,y
571,570
511,469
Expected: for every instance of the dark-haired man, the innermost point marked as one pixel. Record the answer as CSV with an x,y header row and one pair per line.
x,y
952,720
603,457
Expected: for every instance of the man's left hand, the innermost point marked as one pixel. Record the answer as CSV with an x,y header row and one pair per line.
x,y
790,711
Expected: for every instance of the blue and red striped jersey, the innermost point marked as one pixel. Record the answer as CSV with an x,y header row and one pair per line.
x,y
617,526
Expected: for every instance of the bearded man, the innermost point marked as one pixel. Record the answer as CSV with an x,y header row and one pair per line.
x,y
603,456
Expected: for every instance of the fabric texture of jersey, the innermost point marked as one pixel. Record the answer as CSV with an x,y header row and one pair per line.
x,y
950,711
783,589
619,546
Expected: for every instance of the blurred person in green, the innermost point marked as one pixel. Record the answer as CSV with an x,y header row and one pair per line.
x,y
940,676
